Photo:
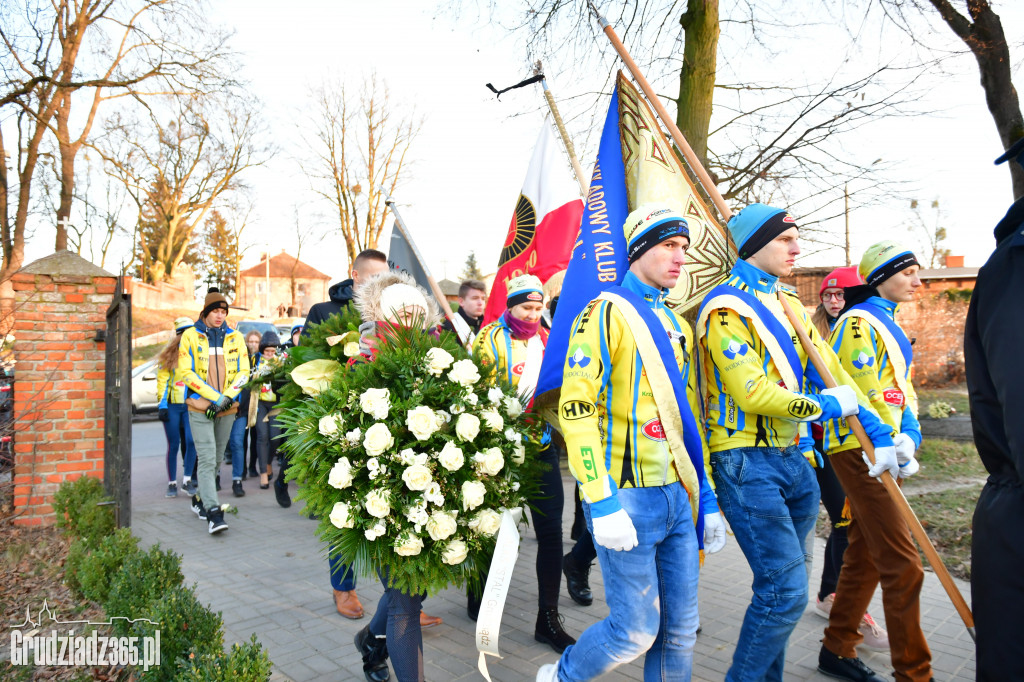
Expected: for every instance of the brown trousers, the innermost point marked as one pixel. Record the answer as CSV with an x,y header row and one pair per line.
x,y
881,551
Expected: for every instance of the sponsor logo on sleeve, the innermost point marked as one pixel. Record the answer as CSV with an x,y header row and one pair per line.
x,y
801,408
860,359
653,430
893,396
577,409
579,355
733,347
517,368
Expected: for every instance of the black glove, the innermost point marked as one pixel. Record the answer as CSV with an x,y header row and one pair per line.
x,y
162,414
223,403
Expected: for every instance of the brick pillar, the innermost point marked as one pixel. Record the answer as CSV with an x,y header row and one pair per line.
x,y
60,302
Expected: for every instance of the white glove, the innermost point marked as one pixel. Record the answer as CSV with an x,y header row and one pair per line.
x,y
847,398
885,460
615,531
910,468
905,448
714,532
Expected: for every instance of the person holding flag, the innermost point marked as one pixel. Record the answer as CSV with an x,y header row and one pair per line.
x,y
760,392
626,409
877,354
514,346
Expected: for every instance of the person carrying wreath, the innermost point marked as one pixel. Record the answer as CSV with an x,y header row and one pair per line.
x,y
877,354
761,392
627,409
514,346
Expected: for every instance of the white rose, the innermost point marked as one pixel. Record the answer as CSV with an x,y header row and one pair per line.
x,y
409,545
354,436
471,398
417,515
438,360
421,422
377,439
490,461
341,474
417,477
457,409
513,407
328,426
442,418
341,517
492,420
454,553
472,495
464,373
377,503
433,494
451,457
485,522
511,435
407,457
375,531
519,453
441,525
351,349
495,395
467,426
376,402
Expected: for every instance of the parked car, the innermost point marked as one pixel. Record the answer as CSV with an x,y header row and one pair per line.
x,y
246,326
284,326
144,397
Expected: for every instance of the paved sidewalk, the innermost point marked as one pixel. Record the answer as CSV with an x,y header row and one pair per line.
x,y
268,575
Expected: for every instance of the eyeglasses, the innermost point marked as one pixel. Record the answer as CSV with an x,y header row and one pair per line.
x,y
838,296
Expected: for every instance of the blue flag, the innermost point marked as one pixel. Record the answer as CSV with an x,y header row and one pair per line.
x,y
599,256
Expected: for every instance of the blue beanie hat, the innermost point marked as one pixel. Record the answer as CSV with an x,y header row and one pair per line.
x,y
756,225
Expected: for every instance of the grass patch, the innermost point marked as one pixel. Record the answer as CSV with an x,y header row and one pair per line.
x,y
945,461
143,353
946,516
954,395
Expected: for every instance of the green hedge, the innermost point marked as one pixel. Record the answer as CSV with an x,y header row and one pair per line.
x,y
106,566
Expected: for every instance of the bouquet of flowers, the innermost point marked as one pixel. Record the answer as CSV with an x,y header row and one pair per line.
x,y
408,460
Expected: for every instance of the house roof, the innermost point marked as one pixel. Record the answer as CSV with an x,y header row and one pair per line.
x,y
448,287
948,273
281,266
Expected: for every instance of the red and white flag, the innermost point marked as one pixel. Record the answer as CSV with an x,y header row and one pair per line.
x,y
544,225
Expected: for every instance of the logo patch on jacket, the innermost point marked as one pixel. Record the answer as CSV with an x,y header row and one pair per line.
x,y
732,347
579,355
894,396
860,359
517,368
653,430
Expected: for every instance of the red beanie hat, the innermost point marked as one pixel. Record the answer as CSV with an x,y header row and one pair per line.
x,y
841,277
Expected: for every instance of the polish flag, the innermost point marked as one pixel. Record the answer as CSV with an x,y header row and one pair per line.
x,y
545,222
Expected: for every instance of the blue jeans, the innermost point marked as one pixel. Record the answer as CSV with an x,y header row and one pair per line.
x,y
770,498
236,447
398,617
177,415
343,578
651,592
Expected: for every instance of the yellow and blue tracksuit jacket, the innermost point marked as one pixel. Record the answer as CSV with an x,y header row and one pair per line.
x,y
747,403
213,361
607,412
170,387
495,345
862,351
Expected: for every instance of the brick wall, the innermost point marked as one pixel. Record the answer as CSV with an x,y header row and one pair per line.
x,y
60,302
937,324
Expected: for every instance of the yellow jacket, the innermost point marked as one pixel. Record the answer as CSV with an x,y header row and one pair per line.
x,y
747,403
212,362
861,350
607,412
170,387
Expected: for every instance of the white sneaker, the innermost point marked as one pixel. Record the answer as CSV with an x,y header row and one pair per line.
x,y
548,673
875,638
823,607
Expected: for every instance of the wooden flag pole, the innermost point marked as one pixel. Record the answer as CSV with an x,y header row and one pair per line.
x,y
581,177
893,488
436,290
691,158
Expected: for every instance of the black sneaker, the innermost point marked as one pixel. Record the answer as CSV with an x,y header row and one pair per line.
x,y
845,668
577,581
189,487
215,517
252,472
198,508
172,490
236,488
281,492
374,651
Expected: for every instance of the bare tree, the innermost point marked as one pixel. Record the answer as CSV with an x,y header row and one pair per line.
x,y
358,149
981,30
303,231
57,53
179,169
930,232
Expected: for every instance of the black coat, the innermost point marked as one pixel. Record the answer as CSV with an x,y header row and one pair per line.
x,y
341,296
473,322
993,346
